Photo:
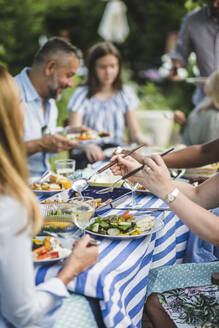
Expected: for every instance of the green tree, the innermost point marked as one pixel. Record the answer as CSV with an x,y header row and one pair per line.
x,y
21,23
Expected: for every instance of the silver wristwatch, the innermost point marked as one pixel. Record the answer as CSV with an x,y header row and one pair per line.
x,y
171,196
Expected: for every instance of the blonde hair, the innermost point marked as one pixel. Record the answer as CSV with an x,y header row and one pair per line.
x,y
212,90
13,164
213,85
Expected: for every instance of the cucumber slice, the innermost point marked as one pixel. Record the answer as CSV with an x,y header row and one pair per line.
x,y
113,232
95,227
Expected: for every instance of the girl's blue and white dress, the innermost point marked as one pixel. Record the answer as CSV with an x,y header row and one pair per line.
x,y
105,115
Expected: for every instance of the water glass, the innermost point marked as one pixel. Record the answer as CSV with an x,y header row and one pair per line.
x,y
65,167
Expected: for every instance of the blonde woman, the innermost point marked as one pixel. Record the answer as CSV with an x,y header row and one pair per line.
x,y
190,204
202,124
22,304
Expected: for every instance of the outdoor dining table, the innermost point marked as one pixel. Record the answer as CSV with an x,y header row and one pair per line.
x,y
119,278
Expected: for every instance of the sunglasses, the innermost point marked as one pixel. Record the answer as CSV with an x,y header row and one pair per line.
x,y
45,131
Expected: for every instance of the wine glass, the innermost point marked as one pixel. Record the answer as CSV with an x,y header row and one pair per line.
x,y
83,209
134,187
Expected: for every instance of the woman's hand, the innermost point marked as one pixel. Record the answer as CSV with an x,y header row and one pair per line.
x,y
137,155
82,257
156,176
124,166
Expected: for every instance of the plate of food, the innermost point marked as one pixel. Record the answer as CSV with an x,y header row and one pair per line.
x,y
124,226
88,136
50,249
54,184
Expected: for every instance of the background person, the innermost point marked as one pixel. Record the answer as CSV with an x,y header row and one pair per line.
x,y
199,33
104,103
53,69
202,124
22,304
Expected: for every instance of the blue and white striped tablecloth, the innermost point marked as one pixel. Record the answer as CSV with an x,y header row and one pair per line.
x,y
119,278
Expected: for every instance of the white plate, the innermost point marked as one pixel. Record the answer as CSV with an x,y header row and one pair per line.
x,y
158,225
96,139
66,243
197,80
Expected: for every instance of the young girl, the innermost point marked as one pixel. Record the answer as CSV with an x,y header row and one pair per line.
x,y
104,103
22,304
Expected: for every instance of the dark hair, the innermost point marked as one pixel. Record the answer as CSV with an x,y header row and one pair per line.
x,y
97,51
54,46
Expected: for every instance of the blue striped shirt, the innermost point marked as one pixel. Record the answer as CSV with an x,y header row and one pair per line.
x,y
107,115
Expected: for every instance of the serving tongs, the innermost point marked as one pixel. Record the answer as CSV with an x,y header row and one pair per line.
x,y
126,176
82,183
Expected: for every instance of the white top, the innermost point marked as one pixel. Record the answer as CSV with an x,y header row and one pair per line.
x,y
22,304
105,115
35,120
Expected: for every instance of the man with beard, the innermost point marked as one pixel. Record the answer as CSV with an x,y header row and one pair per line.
x,y
53,69
199,33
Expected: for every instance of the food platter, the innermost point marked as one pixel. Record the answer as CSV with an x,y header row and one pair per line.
x,y
66,247
158,225
89,137
53,184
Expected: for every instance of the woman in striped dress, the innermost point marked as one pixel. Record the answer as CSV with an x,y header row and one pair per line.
x,y
104,103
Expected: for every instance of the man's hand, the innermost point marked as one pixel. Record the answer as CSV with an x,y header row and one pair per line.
x,y
50,144
56,143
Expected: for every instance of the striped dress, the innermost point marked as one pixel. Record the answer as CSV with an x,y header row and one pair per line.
x,y
107,115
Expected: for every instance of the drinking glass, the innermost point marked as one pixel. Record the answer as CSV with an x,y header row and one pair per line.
x,y
65,167
133,187
83,209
